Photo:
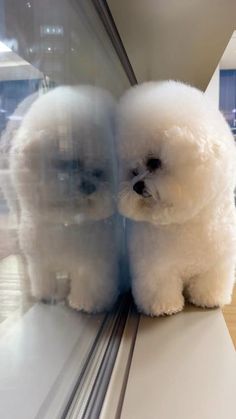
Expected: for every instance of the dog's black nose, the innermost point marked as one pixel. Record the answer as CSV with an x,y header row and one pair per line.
x,y
139,187
87,187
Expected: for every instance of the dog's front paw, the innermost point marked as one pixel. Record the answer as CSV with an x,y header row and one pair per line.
x,y
207,294
159,298
155,307
209,301
212,288
89,302
50,290
93,292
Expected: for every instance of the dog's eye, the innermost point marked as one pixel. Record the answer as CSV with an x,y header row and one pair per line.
x,y
153,164
67,165
98,173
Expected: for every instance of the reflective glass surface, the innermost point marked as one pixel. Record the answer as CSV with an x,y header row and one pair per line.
x,y
61,239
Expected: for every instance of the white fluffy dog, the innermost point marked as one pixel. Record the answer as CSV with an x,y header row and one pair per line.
x,y
178,174
62,168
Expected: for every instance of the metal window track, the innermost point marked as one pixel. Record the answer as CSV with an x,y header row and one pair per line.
x,y
89,393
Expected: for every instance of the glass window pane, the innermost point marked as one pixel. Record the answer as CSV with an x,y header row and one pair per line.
x,y
61,237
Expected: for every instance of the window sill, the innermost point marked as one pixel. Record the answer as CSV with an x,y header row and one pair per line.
x,y
42,356
170,368
182,366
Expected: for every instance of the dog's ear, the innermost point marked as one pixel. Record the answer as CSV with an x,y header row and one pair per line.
x,y
184,145
197,145
219,148
27,149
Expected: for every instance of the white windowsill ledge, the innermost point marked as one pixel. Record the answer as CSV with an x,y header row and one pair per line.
x,y
183,367
41,357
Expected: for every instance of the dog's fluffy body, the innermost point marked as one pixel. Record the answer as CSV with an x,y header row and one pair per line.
x,y
174,140
63,171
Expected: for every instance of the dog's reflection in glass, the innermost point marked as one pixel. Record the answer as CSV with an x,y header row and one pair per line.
x,y
62,168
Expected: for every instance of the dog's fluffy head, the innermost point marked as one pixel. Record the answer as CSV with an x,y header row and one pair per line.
x,y
176,153
61,159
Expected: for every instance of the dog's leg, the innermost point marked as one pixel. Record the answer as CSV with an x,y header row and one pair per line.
x,y
158,294
94,286
44,283
94,270
156,284
213,288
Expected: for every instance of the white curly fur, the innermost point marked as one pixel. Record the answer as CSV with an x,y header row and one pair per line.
x,y
7,137
68,236
183,239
